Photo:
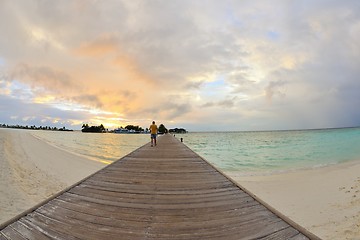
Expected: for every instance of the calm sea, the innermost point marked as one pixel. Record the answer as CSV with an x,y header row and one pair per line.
x,y
102,147
243,152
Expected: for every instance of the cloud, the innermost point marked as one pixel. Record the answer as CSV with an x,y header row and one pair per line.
x,y
37,114
4,87
227,103
103,45
173,110
90,100
274,88
42,76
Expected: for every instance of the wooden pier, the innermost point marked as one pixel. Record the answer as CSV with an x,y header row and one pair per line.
x,y
162,192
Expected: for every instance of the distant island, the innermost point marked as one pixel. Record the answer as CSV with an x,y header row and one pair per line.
x,y
35,127
99,129
177,130
136,129
93,129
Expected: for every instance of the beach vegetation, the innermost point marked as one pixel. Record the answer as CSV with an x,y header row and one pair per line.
x,y
162,129
27,127
93,129
177,130
135,128
129,129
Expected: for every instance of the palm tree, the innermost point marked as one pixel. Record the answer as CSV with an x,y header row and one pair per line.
x,y
102,128
162,129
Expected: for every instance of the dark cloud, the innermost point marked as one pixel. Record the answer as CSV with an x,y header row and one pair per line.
x,y
208,104
37,114
88,100
43,76
173,110
227,103
192,85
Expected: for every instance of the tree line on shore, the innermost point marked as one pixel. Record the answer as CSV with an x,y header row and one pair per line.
x,y
133,128
177,130
97,129
130,128
102,129
17,126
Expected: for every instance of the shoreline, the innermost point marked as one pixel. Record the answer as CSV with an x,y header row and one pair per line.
x,y
46,141
324,200
32,170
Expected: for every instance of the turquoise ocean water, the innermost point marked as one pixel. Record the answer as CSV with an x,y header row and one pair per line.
x,y
243,152
276,151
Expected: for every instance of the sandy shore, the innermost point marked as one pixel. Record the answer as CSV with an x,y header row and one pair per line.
x,y
32,170
326,201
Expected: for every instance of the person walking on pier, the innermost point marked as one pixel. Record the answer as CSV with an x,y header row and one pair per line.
x,y
153,131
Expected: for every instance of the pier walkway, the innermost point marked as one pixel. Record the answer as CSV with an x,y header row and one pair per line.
x,y
162,192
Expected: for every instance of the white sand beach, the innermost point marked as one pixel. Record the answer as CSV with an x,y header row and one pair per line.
x,y
32,170
326,201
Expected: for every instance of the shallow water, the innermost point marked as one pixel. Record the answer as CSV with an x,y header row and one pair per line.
x,y
243,152
276,151
102,147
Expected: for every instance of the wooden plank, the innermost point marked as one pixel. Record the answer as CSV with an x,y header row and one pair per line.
x,y
45,229
120,196
146,188
63,230
286,233
299,237
203,183
211,224
114,213
160,177
10,233
115,202
202,214
2,237
102,223
163,192
194,194
254,232
28,232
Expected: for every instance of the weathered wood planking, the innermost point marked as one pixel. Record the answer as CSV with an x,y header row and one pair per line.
x,y
163,192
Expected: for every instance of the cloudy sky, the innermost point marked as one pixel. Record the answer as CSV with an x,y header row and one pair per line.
x,y
203,65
